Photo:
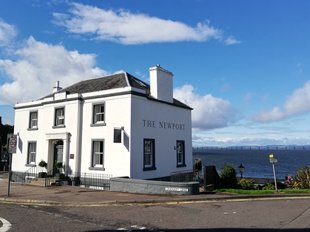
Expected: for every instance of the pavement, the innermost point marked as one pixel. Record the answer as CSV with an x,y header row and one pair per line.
x,y
74,196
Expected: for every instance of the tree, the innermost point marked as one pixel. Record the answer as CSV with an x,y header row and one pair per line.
x,y
4,131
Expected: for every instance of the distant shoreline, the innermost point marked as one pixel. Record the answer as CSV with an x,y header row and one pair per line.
x,y
253,148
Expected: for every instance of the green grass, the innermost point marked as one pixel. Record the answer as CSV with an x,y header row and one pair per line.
x,y
260,192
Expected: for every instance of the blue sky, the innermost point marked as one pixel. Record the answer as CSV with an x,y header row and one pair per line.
x,y
244,66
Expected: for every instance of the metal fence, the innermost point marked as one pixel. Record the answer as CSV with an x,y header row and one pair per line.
x,y
83,179
25,177
95,181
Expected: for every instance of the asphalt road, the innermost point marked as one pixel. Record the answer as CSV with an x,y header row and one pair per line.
x,y
258,215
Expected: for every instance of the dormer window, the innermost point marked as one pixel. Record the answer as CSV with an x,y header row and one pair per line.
x,y
59,117
33,120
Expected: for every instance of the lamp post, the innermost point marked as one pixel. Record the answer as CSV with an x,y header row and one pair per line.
x,y
273,161
241,170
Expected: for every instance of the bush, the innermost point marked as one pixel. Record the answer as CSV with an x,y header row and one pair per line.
x,y
269,186
302,178
43,164
228,177
246,184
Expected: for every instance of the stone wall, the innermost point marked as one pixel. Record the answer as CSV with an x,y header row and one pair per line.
x,y
153,187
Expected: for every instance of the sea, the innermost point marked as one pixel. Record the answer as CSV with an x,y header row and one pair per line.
x,y
256,161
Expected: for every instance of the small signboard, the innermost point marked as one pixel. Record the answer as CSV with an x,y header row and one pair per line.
x,y
12,144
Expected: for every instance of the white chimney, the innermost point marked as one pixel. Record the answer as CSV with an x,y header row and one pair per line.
x,y
57,87
161,84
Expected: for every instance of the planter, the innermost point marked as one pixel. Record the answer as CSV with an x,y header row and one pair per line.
x,y
42,174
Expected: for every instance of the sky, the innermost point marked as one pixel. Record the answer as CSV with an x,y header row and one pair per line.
x,y
244,66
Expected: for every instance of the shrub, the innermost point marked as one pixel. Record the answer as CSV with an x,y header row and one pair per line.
x,y
246,184
269,186
197,165
228,177
302,178
43,164
58,165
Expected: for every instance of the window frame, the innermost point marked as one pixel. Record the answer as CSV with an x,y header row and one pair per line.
x,y
180,155
100,113
56,118
117,135
30,153
148,167
31,125
93,165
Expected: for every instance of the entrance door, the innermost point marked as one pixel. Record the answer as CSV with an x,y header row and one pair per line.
x,y
58,153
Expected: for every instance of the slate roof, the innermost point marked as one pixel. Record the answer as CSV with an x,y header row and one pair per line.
x,y
114,81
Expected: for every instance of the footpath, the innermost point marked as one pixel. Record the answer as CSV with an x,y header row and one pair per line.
x,y
84,197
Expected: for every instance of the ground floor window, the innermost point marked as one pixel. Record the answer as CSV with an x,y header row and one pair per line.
x,y
32,151
149,154
98,153
180,153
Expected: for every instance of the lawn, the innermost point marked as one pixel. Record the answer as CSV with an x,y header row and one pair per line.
x,y
260,192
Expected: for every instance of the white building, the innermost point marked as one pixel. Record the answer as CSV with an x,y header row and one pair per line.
x,y
115,125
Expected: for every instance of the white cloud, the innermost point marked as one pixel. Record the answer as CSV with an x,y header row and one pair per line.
x,y
296,104
231,40
128,28
38,65
209,112
7,33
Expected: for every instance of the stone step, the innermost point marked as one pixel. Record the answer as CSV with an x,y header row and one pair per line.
x,y
43,181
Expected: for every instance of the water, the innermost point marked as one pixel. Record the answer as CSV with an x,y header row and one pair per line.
x,y
256,162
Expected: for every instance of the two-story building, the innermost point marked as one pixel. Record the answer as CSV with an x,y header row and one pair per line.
x,y
117,125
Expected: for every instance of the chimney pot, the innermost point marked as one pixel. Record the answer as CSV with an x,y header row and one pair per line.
x,y
57,87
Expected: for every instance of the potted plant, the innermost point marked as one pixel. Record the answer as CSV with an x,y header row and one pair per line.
x,y
43,166
58,170
59,165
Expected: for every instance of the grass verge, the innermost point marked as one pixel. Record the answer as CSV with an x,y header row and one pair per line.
x,y
260,192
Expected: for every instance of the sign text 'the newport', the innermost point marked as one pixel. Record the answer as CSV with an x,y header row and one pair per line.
x,y
163,125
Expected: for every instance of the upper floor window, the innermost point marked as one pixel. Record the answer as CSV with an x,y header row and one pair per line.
x,y
149,154
180,153
32,151
33,120
98,114
60,116
117,135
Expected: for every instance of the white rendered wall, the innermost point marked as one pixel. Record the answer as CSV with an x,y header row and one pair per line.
x,y
116,155
19,159
165,139
46,114
120,159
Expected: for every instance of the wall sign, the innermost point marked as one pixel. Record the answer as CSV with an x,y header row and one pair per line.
x,y
176,189
12,144
163,125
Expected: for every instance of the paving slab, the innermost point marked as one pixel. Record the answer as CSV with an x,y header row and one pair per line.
x,y
83,196
77,196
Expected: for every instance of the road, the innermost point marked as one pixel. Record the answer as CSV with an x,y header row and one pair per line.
x,y
259,215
